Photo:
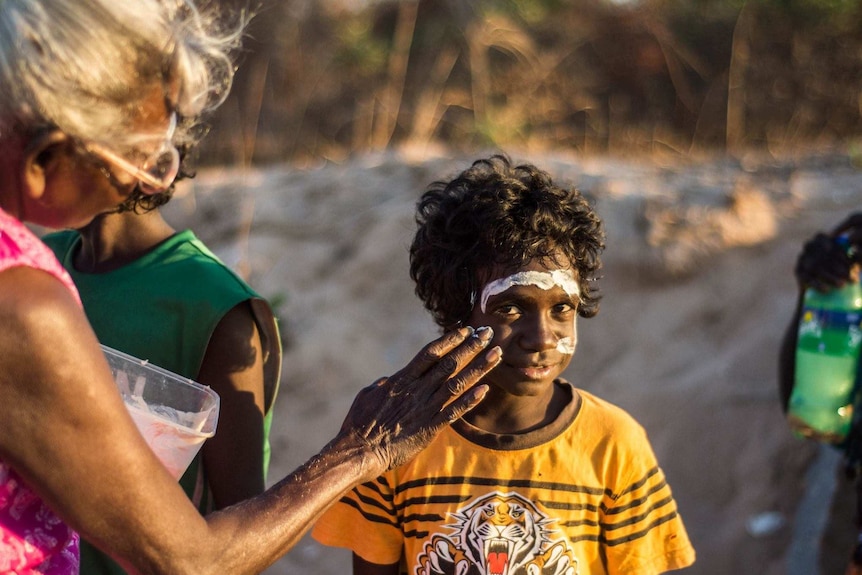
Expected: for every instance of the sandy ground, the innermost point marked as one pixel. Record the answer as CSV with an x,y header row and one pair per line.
x,y
698,288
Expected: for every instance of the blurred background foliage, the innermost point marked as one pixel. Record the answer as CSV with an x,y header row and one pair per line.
x,y
328,78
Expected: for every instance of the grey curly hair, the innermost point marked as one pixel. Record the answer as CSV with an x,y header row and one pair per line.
x,y
82,65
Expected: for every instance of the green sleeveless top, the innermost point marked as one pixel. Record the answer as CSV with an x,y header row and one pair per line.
x,y
163,307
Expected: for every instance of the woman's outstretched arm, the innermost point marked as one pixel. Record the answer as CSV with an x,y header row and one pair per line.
x,y
65,430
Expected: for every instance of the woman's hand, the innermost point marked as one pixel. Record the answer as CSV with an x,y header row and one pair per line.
x,y
398,416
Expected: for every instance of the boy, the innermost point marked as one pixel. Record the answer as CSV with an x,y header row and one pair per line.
x,y
541,478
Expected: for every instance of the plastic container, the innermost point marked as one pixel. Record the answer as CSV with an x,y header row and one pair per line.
x,y
827,360
173,413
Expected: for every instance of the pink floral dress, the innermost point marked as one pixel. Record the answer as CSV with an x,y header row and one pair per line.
x,y
33,541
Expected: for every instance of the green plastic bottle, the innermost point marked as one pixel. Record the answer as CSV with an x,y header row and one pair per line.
x,y
827,359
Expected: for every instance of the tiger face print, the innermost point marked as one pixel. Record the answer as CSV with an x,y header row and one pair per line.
x,y
498,534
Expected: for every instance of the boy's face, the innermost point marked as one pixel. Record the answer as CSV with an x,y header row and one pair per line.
x,y
533,313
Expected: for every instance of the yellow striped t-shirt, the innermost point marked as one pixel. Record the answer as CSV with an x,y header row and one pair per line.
x,y
584,496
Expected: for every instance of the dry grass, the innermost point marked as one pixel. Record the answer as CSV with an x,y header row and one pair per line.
x,y
586,76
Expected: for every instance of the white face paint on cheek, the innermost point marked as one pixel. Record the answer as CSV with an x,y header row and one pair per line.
x,y
567,345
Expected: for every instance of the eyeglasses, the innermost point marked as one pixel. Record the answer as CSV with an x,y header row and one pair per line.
x,y
157,172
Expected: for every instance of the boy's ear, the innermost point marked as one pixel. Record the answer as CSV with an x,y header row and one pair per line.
x,y
41,152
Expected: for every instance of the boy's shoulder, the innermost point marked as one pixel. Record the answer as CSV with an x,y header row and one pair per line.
x,y
605,418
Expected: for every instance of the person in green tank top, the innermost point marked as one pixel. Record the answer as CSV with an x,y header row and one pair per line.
x,y
163,296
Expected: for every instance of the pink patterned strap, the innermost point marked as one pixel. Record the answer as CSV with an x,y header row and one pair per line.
x,y
33,541
20,247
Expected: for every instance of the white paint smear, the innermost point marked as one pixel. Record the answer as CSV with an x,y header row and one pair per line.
x,y
564,279
566,346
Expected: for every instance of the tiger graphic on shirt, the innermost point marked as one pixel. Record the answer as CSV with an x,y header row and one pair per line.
x,y
497,534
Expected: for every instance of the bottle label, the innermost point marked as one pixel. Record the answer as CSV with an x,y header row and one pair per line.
x,y
821,404
836,332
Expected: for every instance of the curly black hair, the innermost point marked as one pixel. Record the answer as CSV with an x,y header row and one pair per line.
x,y
139,202
495,215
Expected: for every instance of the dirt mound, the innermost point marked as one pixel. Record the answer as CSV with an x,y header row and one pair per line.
x,y
698,288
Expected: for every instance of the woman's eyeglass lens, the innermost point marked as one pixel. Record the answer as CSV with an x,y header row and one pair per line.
x,y
157,172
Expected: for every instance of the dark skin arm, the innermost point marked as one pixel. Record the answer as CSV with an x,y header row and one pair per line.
x,y
65,430
823,265
363,567
233,367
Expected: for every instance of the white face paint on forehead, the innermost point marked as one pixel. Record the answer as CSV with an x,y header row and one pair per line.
x,y
564,279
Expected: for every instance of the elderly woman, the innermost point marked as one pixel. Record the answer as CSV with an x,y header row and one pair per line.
x,y
95,95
